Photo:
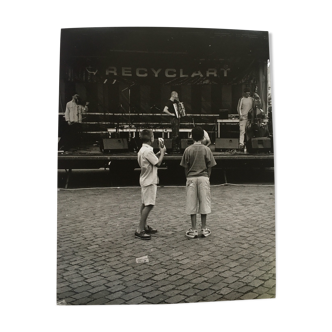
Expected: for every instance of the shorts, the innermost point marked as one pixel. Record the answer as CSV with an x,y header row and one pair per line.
x,y
149,194
198,195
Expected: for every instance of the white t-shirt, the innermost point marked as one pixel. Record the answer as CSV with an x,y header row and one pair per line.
x,y
147,161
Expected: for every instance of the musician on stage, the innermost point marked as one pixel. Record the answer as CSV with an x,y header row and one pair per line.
x,y
171,108
73,116
245,105
250,105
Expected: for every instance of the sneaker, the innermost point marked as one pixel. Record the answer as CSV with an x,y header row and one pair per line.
x,y
142,235
191,234
206,232
150,230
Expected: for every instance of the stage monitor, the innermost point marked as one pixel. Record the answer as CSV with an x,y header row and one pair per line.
x,y
117,144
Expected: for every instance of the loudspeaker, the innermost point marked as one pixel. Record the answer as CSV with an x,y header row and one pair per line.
x,y
167,142
227,143
186,142
260,144
115,144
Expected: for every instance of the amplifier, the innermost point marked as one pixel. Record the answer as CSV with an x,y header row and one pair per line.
x,y
115,144
227,143
186,142
167,142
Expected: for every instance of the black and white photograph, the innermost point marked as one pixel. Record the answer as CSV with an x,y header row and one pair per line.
x,y
165,166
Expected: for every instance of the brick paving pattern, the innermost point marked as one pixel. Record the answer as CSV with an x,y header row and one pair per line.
x,y
97,250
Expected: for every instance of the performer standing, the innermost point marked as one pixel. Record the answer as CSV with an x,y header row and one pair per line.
x,y
245,105
73,116
171,108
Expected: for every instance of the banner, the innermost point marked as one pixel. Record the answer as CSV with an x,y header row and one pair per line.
x,y
180,74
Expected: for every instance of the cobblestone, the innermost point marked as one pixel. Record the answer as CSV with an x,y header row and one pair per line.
x,y
175,299
97,248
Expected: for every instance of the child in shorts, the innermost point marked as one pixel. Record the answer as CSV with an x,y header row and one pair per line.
x,y
198,160
148,180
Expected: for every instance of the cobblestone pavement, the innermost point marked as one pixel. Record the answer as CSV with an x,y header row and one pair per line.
x,y
97,250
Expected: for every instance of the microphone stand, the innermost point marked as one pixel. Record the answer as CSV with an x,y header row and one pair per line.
x,y
129,107
130,124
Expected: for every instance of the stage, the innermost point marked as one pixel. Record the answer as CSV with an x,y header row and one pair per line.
x,y
123,78
125,163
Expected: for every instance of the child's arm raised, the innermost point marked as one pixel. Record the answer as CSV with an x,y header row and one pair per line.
x,y
161,157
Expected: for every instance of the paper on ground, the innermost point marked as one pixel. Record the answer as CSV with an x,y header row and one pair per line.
x,y
143,259
62,302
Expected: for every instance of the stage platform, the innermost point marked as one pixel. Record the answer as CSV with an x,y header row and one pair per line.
x,y
92,158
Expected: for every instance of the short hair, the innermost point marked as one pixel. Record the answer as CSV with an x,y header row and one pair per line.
x,y
173,93
197,133
246,90
146,135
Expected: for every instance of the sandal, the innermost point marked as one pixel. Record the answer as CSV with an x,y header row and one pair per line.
x,y
191,233
206,232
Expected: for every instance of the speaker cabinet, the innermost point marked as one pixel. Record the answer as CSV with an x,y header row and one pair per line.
x,y
260,144
227,143
186,142
118,144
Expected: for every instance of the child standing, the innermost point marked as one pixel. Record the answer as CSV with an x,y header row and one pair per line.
x,y
148,180
198,160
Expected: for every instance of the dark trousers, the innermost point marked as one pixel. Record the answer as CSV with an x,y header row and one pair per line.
x,y
175,125
72,136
